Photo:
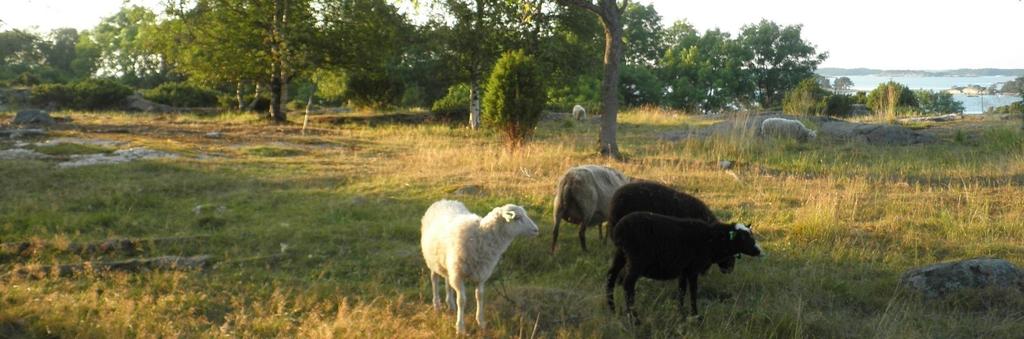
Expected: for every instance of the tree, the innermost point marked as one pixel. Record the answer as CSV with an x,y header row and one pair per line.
x,y
121,40
937,102
610,13
643,35
704,72
235,40
842,84
780,59
474,44
570,57
806,98
19,53
514,97
639,86
891,98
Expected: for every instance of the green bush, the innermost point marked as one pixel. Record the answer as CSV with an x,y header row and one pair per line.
x,y
1013,108
454,106
179,94
806,98
890,99
586,91
90,94
839,105
639,86
97,94
937,102
514,97
53,96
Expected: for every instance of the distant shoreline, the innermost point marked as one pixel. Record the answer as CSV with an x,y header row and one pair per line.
x,y
964,72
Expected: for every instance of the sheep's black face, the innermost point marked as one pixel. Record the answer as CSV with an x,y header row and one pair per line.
x,y
743,238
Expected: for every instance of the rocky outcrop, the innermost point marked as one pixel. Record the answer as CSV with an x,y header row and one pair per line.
x,y
33,117
939,280
119,156
826,127
136,102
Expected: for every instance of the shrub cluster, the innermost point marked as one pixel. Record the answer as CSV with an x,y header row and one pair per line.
x,y
454,106
179,94
90,94
514,97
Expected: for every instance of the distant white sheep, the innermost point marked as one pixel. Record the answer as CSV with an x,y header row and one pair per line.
x,y
787,128
461,247
579,113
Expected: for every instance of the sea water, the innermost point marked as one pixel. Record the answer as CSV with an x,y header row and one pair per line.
x,y
972,104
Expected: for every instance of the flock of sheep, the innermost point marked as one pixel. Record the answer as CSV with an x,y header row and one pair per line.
x,y
658,233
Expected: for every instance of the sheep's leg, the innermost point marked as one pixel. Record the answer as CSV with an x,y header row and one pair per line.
x,y
692,282
434,278
480,305
583,236
682,294
618,262
554,234
449,297
460,296
629,284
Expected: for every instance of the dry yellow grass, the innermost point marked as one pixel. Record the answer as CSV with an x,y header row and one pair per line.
x,y
840,222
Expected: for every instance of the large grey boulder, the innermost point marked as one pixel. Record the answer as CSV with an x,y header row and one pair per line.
x,y
36,117
136,102
939,280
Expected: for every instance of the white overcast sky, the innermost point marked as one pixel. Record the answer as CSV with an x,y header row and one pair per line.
x,y
886,34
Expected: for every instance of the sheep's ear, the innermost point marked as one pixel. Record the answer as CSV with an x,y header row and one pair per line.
x,y
509,215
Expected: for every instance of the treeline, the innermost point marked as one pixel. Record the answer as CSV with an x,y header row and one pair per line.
x,y
247,55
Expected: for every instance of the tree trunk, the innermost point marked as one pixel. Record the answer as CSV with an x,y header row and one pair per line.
x,y
610,82
474,103
276,114
255,97
611,18
276,81
475,69
238,95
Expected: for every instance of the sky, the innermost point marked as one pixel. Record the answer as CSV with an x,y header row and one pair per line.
x,y
882,34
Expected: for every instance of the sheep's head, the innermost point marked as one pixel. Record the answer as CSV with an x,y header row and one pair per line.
x,y
743,238
514,221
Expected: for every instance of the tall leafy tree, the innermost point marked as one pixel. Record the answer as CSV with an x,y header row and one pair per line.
x,y
121,40
570,57
59,51
19,53
367,40
610,13
705,72
236,40
643,35
474,42
780,59
842,84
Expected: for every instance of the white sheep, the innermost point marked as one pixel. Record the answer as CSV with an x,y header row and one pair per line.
x,y
779,127
579,113
461,247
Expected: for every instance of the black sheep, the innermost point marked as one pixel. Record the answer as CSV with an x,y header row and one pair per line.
x,y
662,247
657,198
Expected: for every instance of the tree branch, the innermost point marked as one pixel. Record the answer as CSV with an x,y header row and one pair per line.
x,y
622,9
584,4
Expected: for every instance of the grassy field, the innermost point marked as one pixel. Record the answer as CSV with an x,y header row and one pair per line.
x,y
840,222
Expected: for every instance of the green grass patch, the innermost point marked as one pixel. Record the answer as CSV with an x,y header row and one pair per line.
x,y
840,222
273,152
70,149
